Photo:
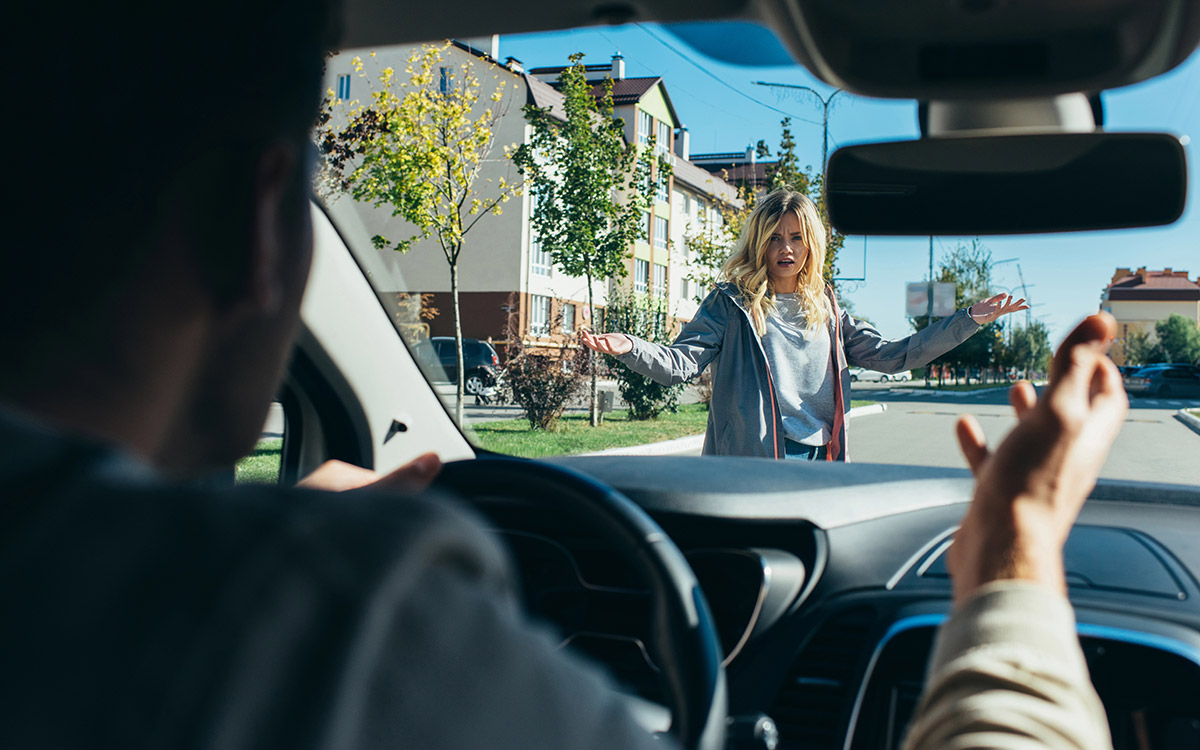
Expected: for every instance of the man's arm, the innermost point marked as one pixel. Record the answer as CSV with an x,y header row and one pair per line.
x,y
1001,678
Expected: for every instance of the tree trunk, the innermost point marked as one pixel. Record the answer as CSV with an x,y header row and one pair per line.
x,y
458,342
594,407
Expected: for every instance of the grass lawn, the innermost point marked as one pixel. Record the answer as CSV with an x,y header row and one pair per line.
x,y
1194,412
575,435
513,437
261,466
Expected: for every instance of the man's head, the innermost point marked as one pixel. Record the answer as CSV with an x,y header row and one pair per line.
x,y
161,236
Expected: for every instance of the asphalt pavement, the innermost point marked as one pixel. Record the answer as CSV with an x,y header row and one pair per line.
x,y
918,428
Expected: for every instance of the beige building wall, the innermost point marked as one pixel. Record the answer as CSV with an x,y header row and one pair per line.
x,y
1141,315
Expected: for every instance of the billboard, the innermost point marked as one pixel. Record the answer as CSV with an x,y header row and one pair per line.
x,y
916,302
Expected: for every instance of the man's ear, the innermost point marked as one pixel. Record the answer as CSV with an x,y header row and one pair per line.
x,y
270,230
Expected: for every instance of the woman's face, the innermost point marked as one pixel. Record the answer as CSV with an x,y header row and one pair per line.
x,y
786,254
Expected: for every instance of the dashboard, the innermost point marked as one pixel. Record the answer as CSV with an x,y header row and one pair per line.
x,y
827,584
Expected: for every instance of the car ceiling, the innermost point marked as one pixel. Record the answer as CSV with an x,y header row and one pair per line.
x,y
923,49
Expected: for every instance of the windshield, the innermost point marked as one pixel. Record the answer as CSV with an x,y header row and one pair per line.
x,y
528,233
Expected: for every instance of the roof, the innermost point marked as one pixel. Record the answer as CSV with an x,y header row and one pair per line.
x,y
542,94
755,174
625,91
1167,285
703,181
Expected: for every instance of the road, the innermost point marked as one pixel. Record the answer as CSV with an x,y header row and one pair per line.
x,y
918,428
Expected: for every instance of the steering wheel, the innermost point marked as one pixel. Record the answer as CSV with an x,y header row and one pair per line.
x,y
683,637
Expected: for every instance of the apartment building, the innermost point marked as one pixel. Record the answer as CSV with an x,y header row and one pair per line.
x,y
503,269
1139,299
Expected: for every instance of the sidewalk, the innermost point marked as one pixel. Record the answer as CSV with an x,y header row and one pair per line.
x,y
693,444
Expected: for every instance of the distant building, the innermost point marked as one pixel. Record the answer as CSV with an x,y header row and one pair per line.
x,y
1139,299
736,167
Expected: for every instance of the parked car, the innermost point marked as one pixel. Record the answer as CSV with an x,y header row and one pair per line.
x,y
1164,380
438,360
875,376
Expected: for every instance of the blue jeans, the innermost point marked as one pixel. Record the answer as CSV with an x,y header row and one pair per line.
x,y
802,452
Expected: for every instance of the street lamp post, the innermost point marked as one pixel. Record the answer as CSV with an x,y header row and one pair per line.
x,y
826,102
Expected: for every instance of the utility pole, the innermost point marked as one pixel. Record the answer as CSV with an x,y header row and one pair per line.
x,y
826,102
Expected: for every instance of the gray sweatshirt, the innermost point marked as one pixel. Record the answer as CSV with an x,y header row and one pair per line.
x,y
744,418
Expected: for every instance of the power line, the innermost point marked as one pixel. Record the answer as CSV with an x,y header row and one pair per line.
x,y
724,83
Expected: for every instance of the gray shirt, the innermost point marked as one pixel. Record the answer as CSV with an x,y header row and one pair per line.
x,y
802,368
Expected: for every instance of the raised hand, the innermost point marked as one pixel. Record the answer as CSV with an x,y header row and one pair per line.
x,y
1029,491
993,307
606,343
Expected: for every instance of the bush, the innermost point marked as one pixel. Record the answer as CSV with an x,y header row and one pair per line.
x,y
645,317
542,381
539,383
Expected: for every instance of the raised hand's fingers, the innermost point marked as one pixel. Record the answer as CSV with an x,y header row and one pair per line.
x,y
1023,397
1096,330
972,442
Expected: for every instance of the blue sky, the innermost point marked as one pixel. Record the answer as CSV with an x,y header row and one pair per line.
x,y
724,111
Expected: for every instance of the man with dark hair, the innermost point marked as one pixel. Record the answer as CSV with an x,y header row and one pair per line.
x,y
151,290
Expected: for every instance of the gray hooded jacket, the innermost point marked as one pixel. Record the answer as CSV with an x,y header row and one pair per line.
x,y
744,417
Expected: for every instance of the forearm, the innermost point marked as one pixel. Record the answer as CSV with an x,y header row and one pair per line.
x,y
668,365
865,347
1003,679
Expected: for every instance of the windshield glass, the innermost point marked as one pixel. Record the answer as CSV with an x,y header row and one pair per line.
x,y
495,220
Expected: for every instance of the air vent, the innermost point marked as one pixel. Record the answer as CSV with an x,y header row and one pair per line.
x,y
814,701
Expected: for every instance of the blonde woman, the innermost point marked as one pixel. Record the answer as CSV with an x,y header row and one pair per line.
x,y
779,346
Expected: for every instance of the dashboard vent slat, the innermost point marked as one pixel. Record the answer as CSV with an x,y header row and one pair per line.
x,y
814,701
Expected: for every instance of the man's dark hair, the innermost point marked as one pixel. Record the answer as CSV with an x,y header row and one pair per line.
x,y
135,109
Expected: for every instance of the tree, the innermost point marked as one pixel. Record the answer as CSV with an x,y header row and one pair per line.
x,y
592,189
644,316
710,245
1028,349
969,267
1178,339
1139,348
419,148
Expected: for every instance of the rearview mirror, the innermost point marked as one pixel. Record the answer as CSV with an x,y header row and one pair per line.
x,y
1013,184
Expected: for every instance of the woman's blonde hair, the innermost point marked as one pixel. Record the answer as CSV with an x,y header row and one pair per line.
x,y
747,266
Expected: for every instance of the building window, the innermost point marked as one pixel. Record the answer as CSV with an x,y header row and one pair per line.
x,y
660,232
645,127
539,259
539,315
343,89
660,280
646,224
663,142
663,188
641,272
568,317
683,288
446,80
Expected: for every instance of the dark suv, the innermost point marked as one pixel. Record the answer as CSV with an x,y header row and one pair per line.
x,y
1164,380
437,360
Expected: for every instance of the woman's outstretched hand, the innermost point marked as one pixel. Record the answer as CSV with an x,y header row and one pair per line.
x,y
606,343
992,308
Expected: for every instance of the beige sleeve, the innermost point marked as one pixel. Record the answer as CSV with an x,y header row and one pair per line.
x,y
1007,672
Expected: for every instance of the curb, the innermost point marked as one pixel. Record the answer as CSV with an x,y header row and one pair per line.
x,y
696,442
1192,423
862,411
